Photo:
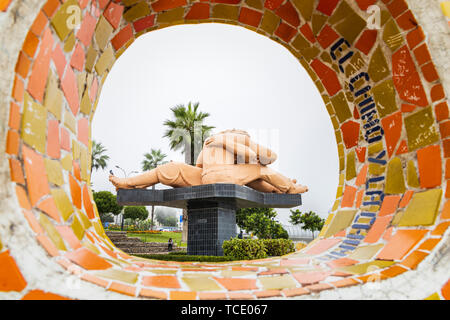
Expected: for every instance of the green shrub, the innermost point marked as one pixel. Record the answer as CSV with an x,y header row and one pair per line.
x,y
244,249
278,247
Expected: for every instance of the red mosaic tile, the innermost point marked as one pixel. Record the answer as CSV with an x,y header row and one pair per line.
x,y
400,244
23,65
327,36
14,116
122,37
422,54
389,205
226,1
327,6
78,57
22,198
446,144
415,37
273,4
70,237
406,198
429,72
11,278
12,142
53,144
200,11
367,40
87,259
59,60
397,7
144,23
113,13
288,13
328,76
75,191
430,167
70,89
377,229
49,207
87,29
361,153
350,133
402,148
349,197
161,5
39,70
36,177
413,260
285,32
65,139
407,21
322,245
356,115
249,16
307,32
437,92
161,282
365,4
392,126
234,284
83,131
50,7
102,3
408,107
15,169
406,79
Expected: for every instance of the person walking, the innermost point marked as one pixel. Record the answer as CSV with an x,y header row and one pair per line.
x,y
170,244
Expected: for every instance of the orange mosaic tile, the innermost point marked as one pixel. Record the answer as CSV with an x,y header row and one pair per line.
x,y
246,15
95,280
78,55
234,284
18,89
392,126
75,191
446,291
272,4
401,243
342,262
32,221
70,89
49,207
50,7
413,259
328,76
113,13
65,139
441,111
393,271
377,229
35,172
350,133
68,235
12,142
389,205
319,287
366,41
83,131
53,144
415,37
361,178
147,22
23,65
349,197
162,5
289,293
429,72
407,21
397,7
161,282
285,32
437,92
42,295
153,294
11,279
87,259
122,37
87,29
345,283
22,197
15,169
48,245
322,245
267,294
406,198
307,32
123,288
30,44
240,296
440,229
14,116
306,278
212,296
59,60
430,171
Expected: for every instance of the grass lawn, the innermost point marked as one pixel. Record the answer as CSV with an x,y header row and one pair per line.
x,y
164,236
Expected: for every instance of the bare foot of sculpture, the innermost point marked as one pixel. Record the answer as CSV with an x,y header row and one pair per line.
x,y
298,188
120,183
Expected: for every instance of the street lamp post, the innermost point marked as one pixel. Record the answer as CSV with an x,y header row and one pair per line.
x,y
125,174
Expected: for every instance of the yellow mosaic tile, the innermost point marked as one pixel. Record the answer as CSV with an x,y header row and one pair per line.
x,y
351,26
201,283
91,56
420,129
139,10
378,67
53,96
376,169
422,209
342,220
269,21
375,148
365,267
65,17
81,81
84,163
51,231
76,152
171,16
69,121
365,252
434,296
77,228
66,162
54,171
84,220
411,178
34,124
70,42
341,107
105,61
103,32
257,4
351,166
384,95
277,282
87,244
395,182
392,35
63,203
115,274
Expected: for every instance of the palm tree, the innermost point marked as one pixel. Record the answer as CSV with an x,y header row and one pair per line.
x,y
99,159
187,133
151,161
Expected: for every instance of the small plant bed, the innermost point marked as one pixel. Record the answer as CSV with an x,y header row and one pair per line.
x,y
163,236
183,257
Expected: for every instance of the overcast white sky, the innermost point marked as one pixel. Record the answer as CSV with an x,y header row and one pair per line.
x,y
243,79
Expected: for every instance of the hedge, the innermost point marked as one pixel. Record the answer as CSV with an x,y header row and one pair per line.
x,y
184,257
249,249
278,247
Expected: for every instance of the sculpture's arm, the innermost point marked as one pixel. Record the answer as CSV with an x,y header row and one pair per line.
x,y
243,152
199,162
265,155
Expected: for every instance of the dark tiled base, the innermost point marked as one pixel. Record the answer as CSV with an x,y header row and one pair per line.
x,y
209,227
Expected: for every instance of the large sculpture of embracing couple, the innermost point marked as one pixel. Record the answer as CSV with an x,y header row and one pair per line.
x,y
227,157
